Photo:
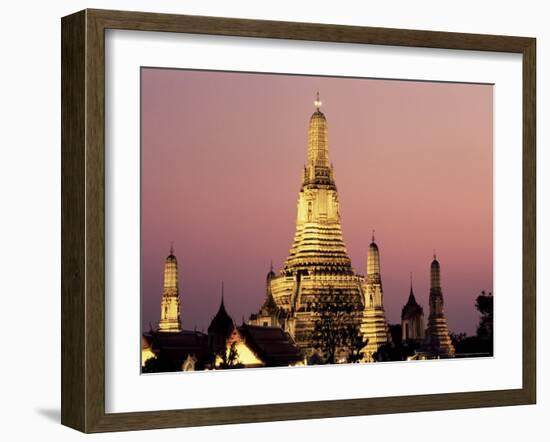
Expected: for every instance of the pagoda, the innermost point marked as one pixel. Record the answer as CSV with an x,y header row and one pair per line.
x,y
437,343
170,319
318,269
373,324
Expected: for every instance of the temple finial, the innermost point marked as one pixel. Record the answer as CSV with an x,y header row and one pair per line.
x,y
373,235
271,266
435,255
222,291
171,247
317,101
411,278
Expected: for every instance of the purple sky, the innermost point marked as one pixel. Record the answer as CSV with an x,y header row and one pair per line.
x,y
222,158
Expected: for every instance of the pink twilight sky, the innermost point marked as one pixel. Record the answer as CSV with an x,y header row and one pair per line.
x,y
222,158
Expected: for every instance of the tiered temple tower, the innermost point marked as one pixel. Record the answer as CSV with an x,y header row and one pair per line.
x,y
170,321
374,325
437,342
318,268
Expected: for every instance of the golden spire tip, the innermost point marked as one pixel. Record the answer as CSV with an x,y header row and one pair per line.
x,y
317,101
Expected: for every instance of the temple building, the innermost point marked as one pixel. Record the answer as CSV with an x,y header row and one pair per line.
x,y
373,324
318,269
412,320
170,321
220,328
437,343
263,346
169,346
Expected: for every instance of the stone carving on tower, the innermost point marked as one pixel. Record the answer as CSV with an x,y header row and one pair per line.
x,y
373,324
438,342
318,269
170,321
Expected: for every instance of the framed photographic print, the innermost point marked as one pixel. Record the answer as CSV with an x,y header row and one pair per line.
x,y
269,220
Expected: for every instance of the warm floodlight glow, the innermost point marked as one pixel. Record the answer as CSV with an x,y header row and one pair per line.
x,y
318,102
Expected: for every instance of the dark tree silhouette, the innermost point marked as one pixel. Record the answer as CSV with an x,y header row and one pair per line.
x,y
482,343
161,364
229,358
484,304
396,350
355,343
332,331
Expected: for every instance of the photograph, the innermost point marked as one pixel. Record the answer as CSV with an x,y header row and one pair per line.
x,y
297,220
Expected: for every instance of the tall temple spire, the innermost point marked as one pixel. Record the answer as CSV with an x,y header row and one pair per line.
x,y
318,266
170,320
318,243
374,326
373,261
438,339
318,144
435,276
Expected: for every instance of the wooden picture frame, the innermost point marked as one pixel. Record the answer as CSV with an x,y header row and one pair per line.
x,y
83,220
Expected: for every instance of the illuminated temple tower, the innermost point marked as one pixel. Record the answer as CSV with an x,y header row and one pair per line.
x,y
170,305
374,325
438,342
318,268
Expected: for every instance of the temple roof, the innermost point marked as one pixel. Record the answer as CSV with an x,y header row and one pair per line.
x,y
222,322
271,274
271,344
175,347
411,308
269,303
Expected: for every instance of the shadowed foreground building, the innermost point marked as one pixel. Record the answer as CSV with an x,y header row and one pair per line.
x,y
318,269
